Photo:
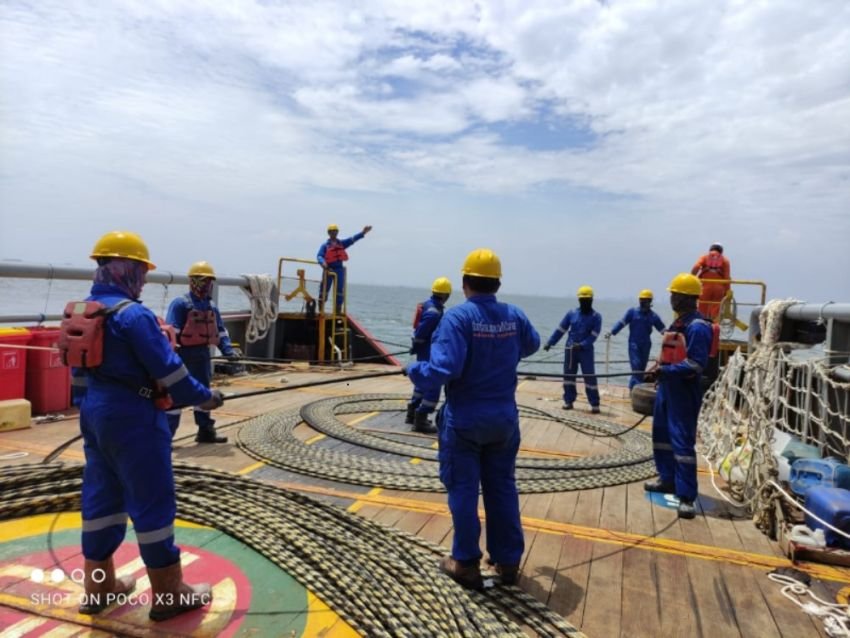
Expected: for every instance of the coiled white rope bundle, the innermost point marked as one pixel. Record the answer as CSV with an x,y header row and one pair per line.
x,y
835,616
263,308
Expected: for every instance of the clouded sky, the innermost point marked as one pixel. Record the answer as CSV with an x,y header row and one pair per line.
x,y
606,143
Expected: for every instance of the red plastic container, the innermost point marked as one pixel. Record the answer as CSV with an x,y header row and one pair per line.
x,y
48,380
13,362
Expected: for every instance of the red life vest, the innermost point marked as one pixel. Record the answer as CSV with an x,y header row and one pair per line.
x,y
200,329
674,348
81,332
417,317
335,252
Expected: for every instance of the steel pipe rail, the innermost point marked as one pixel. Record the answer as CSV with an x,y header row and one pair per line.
x,y
23,270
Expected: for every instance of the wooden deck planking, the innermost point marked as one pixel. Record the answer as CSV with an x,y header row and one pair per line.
x,y
604,588
641,614
604,599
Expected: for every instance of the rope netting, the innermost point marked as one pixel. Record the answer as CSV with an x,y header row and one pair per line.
x,y
772,388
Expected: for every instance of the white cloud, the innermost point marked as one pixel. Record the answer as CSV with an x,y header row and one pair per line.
x,y
724,119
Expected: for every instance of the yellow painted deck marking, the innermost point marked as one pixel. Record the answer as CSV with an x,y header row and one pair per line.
x,y
252,467
363,418
415,460
360,500
322,621
313,439
595,534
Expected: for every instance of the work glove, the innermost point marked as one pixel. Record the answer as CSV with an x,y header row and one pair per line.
x,y
546,347
234,354
608,335
652,375
216,400
404,369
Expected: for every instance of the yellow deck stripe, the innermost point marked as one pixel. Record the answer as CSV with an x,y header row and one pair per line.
x,y
362,418
360,499
252,467
595,534
313,439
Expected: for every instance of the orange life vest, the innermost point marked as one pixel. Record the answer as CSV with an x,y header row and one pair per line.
x,y
713,266
81,332
335,252
417,317
200,329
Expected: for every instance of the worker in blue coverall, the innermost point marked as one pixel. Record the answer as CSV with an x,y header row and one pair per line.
x,y
583,325
126,439
474,354
197,322
641,321
685,353
332,258
428,315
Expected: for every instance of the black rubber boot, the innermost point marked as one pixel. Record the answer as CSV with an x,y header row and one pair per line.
x,y
422,425
659,486
206,434
686,509
411,411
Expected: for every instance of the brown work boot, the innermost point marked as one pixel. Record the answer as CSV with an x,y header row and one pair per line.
x,y
102,587
465,576
171,596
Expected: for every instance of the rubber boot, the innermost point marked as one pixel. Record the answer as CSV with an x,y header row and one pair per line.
x,y
171,596
100,595
659,486
411,412
468,576
422,425
686,509
206,434
508,573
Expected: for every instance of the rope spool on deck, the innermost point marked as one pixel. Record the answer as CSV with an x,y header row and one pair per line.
x,y
381,581
270,438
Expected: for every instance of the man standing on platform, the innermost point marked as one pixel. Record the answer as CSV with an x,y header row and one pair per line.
x,y
474,353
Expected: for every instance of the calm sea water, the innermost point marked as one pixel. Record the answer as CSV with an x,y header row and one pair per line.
x,y
386,312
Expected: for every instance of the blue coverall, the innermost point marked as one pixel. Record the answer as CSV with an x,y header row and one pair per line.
x,y
196,358
640,322
126,439
583,330
426,400
677,404
474,353
337,267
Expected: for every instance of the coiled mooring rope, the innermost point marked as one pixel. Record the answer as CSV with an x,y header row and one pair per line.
x,y
270,438
383,582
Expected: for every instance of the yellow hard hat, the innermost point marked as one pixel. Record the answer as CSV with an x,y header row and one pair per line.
x,y
585,292
333,227
201,269
482,262
686,284
646,293
121,243
442,286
